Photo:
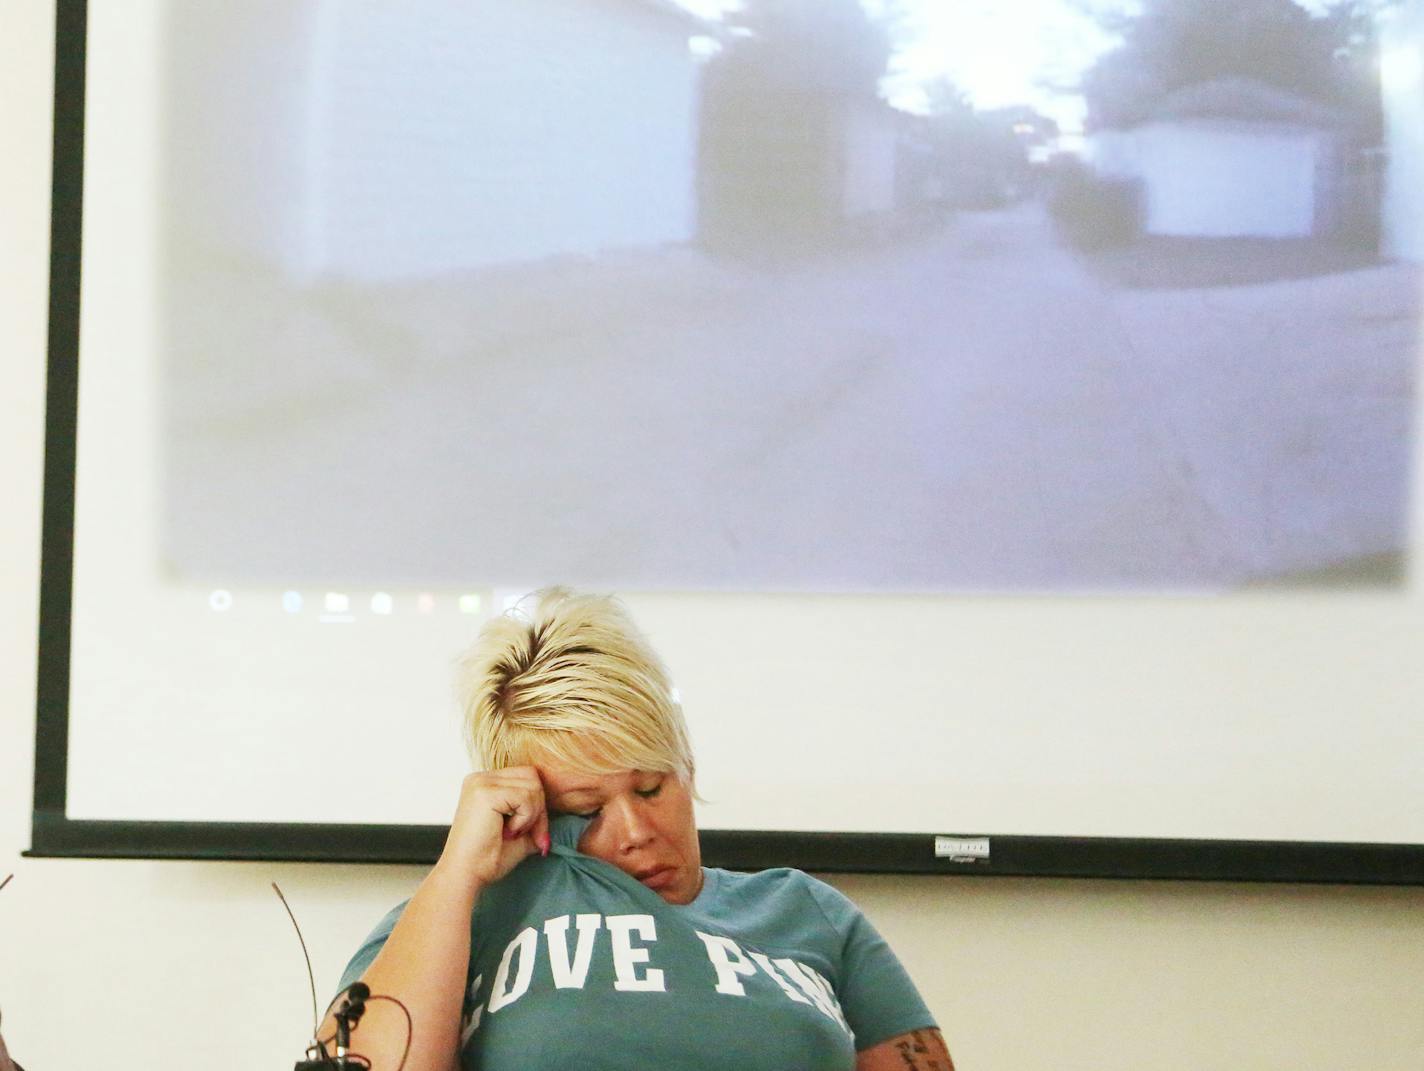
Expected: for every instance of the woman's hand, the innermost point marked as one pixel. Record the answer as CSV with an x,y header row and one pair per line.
x,y
501,820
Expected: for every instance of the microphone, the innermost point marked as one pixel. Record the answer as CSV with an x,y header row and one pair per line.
x,y
353,1005
348,1015
315,1046
316,1055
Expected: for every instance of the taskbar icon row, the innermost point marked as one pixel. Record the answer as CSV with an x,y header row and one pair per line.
x,y
346,605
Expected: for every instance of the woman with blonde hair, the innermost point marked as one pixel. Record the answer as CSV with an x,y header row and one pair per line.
x,y
569,922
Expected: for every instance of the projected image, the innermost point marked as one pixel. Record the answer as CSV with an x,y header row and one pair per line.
x,y
803,295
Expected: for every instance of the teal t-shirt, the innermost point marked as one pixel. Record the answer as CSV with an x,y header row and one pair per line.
x,y
575,964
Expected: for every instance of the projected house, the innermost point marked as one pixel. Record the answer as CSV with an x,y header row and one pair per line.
x,y
1232,158
378,146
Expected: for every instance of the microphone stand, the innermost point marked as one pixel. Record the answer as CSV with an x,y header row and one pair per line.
x,y
353,1006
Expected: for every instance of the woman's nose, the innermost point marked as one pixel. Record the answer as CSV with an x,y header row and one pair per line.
x,y
631,827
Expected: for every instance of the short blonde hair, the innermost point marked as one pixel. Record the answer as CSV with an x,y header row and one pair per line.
x,y
571,680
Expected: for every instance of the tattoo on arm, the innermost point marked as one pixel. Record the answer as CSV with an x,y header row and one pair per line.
x,y
924,1050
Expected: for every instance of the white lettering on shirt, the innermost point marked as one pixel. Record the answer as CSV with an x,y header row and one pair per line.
x,y
626,958
556,935
632,972
830,993
728,961
815,987
526,945
476,1015
766,965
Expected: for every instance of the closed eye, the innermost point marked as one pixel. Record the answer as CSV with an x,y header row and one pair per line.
x,y
641,793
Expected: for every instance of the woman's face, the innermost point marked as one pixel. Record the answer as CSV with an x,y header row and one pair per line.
x,y
642,824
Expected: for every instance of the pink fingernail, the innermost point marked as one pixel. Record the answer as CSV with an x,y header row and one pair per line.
x,y
544,844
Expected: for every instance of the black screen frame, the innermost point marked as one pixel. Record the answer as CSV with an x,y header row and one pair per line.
x,y
54,834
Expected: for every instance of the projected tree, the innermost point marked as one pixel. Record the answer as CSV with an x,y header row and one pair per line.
x,y
1173,44
775,100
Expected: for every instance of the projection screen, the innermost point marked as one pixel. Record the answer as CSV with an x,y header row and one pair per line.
x,y
985,526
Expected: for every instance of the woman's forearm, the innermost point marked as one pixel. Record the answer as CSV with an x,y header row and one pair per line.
x,y
499,822
423,965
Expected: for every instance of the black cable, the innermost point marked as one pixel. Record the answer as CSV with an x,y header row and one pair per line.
x,y
409,1024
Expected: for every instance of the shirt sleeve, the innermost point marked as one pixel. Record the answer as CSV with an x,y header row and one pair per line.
x,y
373,944
875,991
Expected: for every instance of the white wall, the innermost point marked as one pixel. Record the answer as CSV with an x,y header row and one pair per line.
x,y
1223,180
592,147
1402,81
423,138
142,965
